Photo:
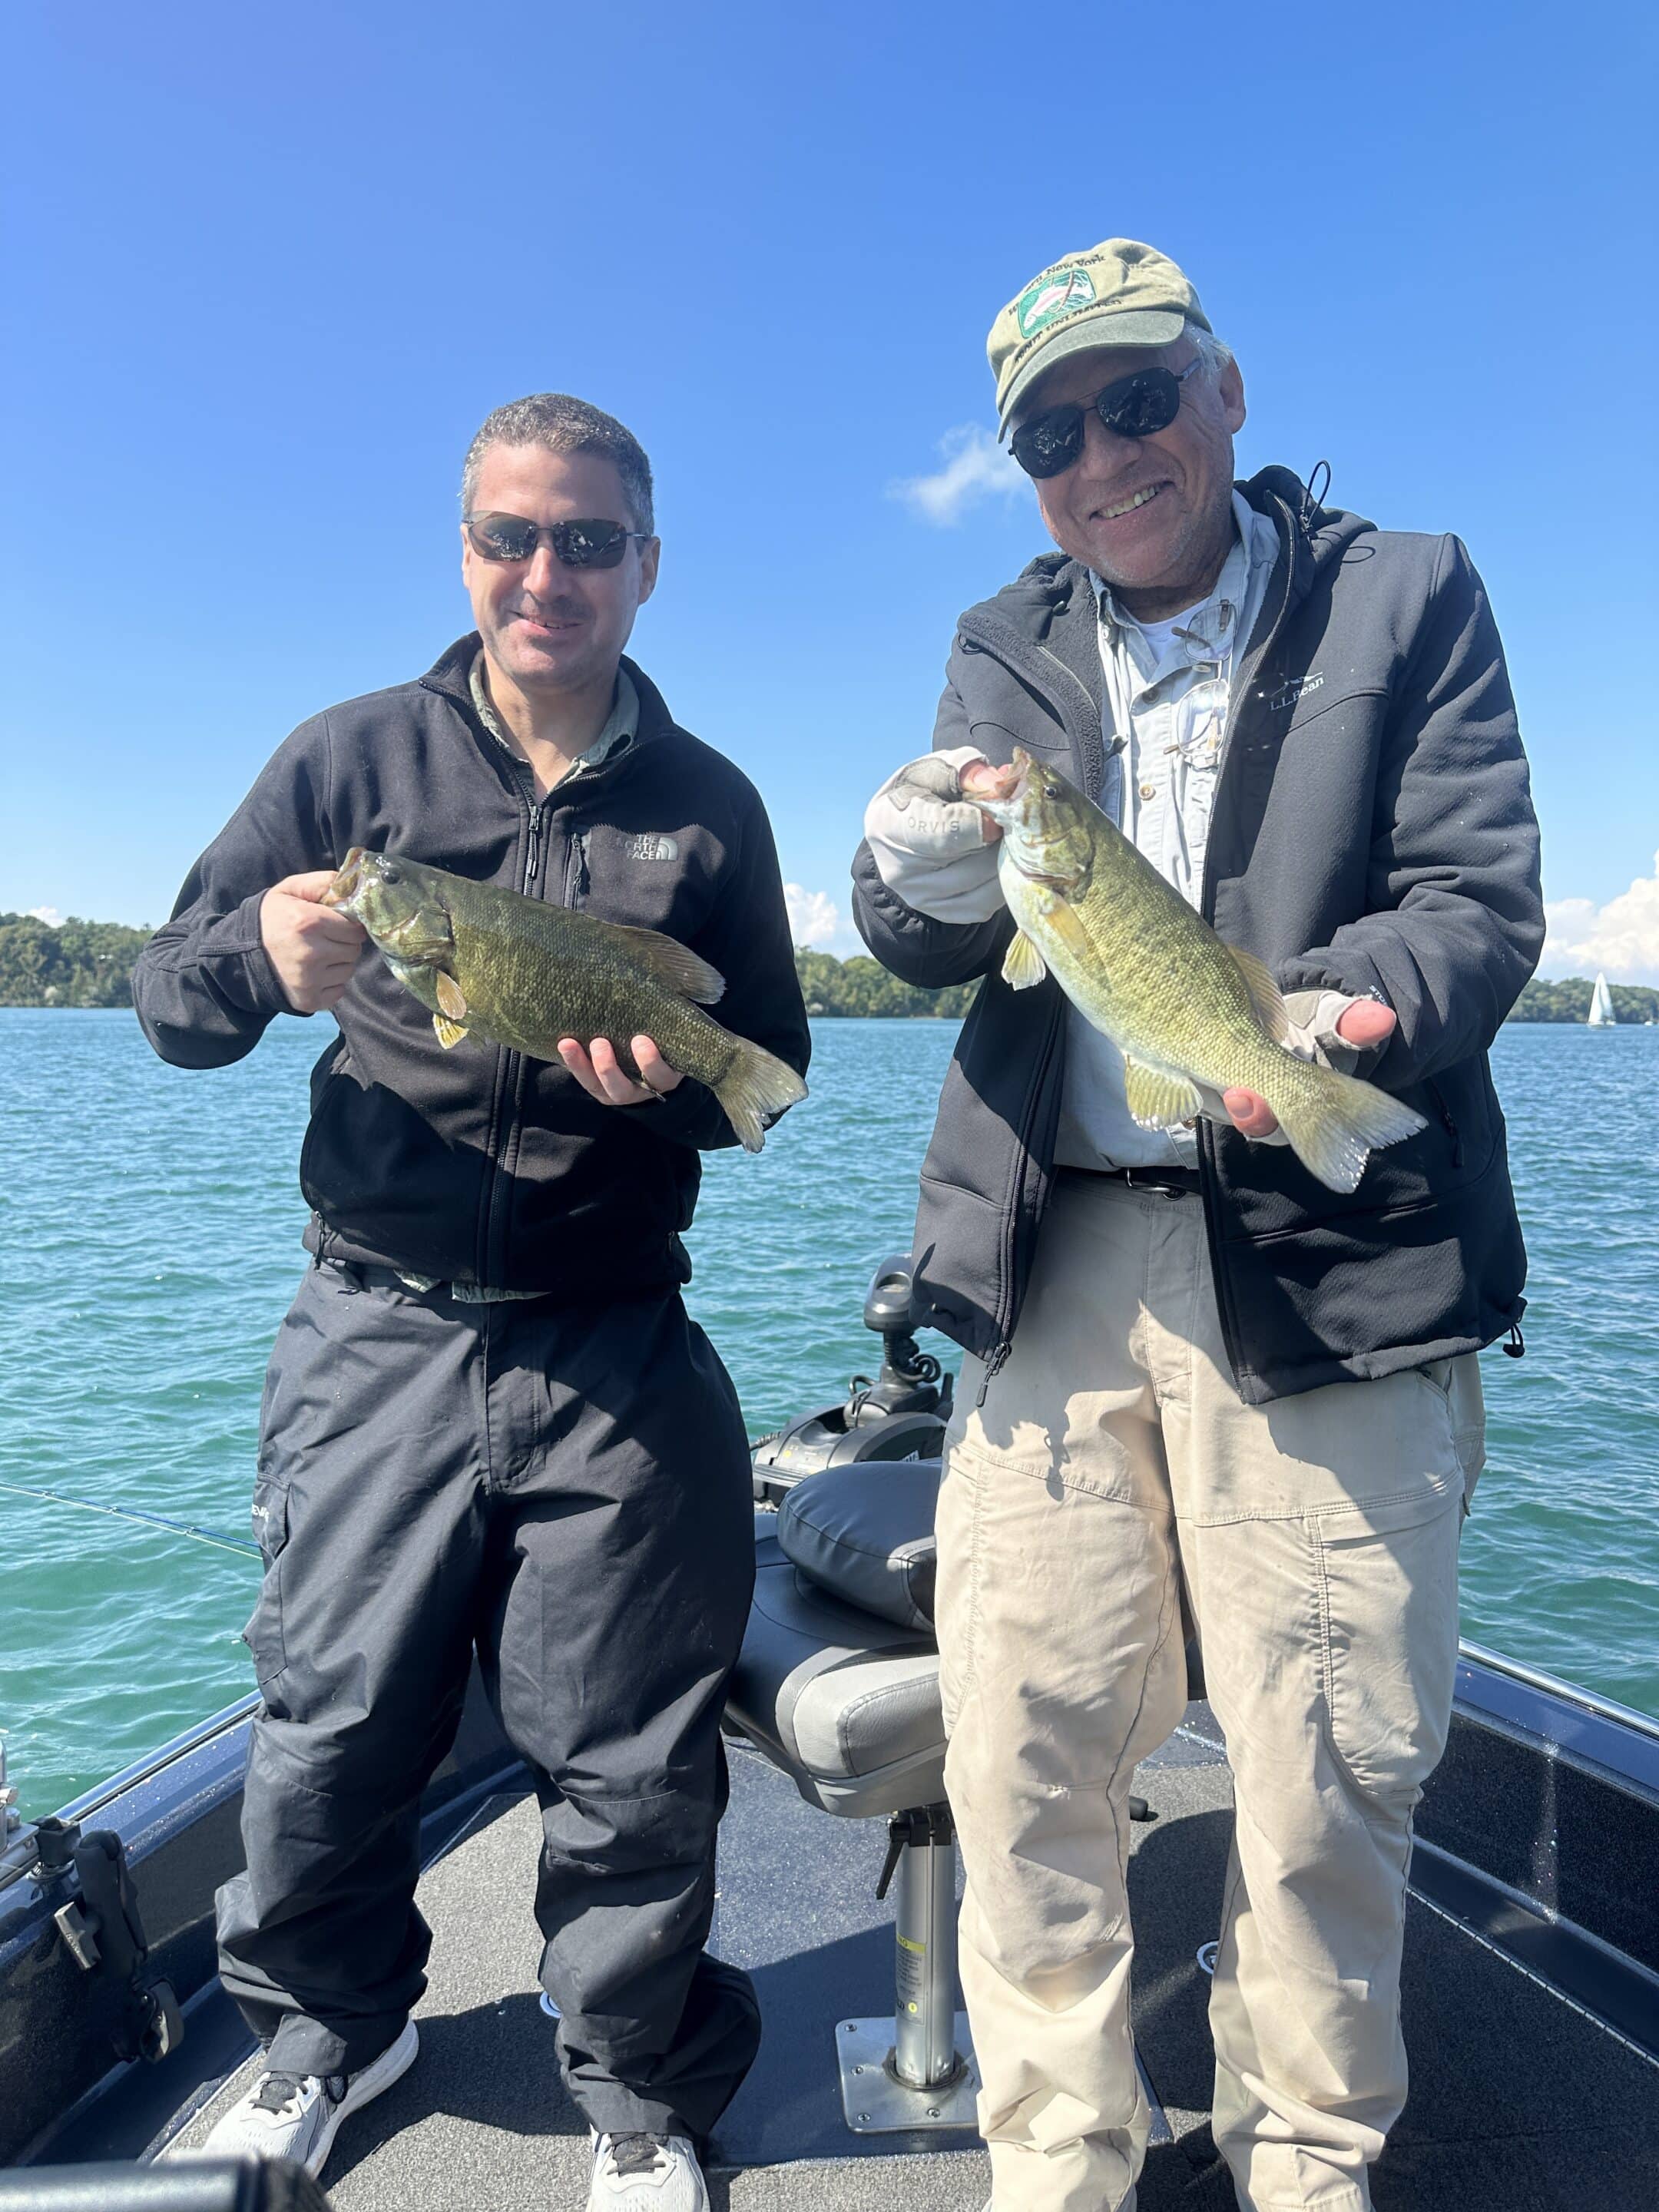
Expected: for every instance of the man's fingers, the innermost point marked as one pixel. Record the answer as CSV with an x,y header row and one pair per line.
x,y
577,1061
596,1071
1366,1023
311,883
326,925
978,779
620,1090
1248,1112
654,1072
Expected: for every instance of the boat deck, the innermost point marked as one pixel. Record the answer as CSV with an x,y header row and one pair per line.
x,y
1520,2103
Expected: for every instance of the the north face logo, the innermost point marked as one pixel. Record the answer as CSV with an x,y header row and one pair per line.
x,y
649,847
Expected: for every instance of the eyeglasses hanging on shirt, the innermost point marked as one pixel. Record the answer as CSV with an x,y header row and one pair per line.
x,y
1202,709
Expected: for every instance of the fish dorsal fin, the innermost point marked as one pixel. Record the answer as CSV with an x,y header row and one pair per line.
x,y
673,963
1023,965
451,999
449,1033
1158,1101
1264,993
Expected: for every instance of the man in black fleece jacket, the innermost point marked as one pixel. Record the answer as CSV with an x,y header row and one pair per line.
x,y
488,1421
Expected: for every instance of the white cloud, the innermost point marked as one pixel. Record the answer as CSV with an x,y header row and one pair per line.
x,y
1621,937
975,469
814,917
49,914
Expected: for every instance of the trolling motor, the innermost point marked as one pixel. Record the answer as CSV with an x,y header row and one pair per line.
x,y
900,1413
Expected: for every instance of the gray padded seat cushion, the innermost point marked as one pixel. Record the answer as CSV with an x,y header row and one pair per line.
x,y
846,1703
865,1532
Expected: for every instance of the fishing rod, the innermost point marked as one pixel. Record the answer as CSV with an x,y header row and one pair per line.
x,y
243,1544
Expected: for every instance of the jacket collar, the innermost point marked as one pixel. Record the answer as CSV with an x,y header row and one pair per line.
x,y
1052,604
448,677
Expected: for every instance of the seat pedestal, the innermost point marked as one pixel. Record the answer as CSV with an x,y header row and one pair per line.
x,y
913,2068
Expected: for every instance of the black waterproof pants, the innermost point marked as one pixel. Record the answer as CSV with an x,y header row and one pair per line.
x,y
567,1491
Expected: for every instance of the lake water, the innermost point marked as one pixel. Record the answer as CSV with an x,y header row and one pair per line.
x,y
149,1228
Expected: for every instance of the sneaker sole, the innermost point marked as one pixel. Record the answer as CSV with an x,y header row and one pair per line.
x,y
390,2066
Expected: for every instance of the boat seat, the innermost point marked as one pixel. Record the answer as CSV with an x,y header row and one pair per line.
x,y
838,1680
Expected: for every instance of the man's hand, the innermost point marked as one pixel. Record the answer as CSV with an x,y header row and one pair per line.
x,y
995,783
599,1075
1362,1025
313,949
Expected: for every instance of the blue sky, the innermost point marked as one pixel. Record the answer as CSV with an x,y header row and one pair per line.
x,y
268,267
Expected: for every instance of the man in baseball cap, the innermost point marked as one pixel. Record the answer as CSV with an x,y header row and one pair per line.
x,y
1198,1384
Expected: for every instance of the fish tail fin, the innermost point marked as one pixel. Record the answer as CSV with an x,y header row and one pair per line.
x,y
1335,1126
755,1090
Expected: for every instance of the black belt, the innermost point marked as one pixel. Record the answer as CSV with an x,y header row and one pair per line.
x,y
1174,1182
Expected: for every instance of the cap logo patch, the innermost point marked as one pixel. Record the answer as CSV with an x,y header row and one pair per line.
x,y
1051,297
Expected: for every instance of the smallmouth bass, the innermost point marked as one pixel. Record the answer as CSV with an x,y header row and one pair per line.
x,y
523,973
1188,1012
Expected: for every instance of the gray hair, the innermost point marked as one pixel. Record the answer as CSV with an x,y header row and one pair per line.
x,y
1209,350
565,425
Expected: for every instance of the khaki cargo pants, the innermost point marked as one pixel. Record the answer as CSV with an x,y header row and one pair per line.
x,y
1112,1462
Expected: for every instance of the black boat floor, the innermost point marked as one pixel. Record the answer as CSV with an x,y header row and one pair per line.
x,y
1519,2103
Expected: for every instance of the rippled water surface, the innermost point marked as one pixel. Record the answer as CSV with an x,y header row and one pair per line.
x,y
149,1228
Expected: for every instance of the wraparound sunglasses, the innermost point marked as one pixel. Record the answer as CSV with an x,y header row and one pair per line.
x,y
575,545
1135,407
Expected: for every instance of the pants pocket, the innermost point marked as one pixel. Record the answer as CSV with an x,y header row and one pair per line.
x,y
959,1532
263,1633
1388,1629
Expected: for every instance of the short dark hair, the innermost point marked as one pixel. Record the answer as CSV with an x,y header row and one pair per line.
x,y
565,425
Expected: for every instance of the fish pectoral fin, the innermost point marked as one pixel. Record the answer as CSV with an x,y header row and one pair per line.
x,y
1158,1101
1023,965
451,999
671,963
449,1032
1264,992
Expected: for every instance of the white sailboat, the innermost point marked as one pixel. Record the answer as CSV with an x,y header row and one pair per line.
x,y
1601,1015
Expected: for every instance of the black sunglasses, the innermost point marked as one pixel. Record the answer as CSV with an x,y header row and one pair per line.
x,y
575,545
1135,407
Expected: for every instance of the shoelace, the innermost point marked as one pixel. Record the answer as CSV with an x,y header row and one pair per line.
x,y
637,2154
279,2091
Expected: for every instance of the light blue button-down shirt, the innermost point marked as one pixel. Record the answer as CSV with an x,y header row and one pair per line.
x,y
1167,689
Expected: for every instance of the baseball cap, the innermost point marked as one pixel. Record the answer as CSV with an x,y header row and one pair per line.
x,y
1117,293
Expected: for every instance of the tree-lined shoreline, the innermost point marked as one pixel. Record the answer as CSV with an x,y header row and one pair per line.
x,y
89,964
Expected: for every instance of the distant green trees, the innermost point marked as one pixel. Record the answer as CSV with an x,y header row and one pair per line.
x,y
1570,1001
68,963
89,964
863,986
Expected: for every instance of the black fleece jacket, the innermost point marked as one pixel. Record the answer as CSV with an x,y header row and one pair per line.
x,y
480,1165
1372,832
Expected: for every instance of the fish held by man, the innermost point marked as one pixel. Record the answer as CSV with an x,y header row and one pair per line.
x,y
523,973
1190,1013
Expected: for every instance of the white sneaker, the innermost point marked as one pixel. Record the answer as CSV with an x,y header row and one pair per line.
x,y
646,2174
297,2115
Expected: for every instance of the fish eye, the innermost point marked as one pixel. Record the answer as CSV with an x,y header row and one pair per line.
x,y
391,873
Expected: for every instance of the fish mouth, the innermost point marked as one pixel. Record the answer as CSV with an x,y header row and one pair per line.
x,y
1002,802
348,878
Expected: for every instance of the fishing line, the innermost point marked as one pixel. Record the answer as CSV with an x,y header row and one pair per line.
x,y
243,1544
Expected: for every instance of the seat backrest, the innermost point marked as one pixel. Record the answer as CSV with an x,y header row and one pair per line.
x,y
865,1532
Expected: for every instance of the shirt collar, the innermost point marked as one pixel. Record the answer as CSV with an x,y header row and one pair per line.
x,y
1211,628
621,726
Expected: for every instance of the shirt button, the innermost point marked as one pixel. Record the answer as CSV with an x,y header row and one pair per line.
x,y
1149,791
